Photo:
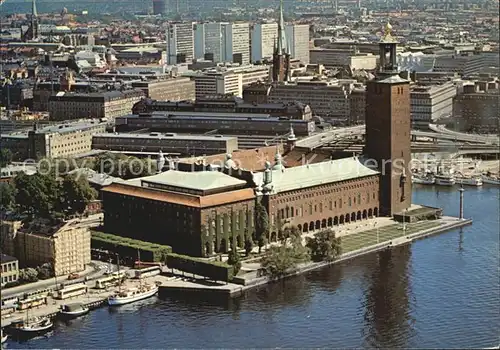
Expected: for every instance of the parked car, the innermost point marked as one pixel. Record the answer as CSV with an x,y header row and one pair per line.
x,y
73,276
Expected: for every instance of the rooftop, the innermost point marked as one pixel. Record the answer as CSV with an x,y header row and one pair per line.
x,y
317,174
181,198
4,258
200,180
172,136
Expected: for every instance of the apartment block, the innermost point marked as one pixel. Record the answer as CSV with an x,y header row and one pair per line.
x,y
171,89
298,41
237,42
263,37
62,140
327,99
67,247
105,104
9,271
334,58
431,102
180,43
476,107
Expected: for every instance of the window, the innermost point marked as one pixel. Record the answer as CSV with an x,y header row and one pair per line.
x,y
350,201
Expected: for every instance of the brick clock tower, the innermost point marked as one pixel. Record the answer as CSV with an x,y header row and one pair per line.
x,y
388,129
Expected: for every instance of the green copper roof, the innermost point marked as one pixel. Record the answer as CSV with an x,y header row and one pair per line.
x,y
317,174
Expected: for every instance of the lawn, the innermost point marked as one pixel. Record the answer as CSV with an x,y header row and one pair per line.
x,y
367,238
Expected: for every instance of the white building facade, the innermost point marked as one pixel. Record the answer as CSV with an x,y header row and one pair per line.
x,y
429,103
180,43
236,38
298,41
263,37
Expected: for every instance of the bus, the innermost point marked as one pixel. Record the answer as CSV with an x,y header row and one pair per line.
x,y
33,301
70,291
110,280
148,272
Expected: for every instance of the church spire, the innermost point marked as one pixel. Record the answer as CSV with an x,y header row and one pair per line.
x,y
34,12
281,32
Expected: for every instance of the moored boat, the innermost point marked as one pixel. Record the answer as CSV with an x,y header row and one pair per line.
x,y
34,326
469,181
423,180
444,180
490,180
73,310
132,294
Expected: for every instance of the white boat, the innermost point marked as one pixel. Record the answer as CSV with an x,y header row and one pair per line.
x,y
469,181
490,180
444,180
34,326
4,338
422,180
73,310
132,294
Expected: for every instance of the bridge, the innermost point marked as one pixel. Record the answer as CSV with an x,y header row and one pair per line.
x,y
332,136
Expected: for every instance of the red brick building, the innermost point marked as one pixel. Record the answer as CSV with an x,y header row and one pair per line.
x,y
388,128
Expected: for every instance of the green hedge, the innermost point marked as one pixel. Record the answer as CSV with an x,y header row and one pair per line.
x,y
128,247
214,270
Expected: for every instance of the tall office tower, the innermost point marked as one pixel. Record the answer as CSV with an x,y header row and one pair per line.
x,y
263,37
298,41
281,54
159,7
214,41
180,42
236,37
388,128
199,40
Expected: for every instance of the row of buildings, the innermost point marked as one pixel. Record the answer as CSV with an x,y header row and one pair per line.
x,y
239,42
210,208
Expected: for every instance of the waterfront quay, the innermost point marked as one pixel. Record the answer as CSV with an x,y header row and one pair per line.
x,y
357,240
94,298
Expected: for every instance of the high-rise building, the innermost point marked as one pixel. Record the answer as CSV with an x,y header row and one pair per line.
x,y
180,42
236,37
214,41
298,41
199,40
159,7
388,127
263,37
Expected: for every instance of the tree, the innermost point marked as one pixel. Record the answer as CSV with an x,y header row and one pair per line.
x,y
5,157
75,194
261,225
45,271
36,194
281,260
234,260
248,245
325,246
28,275
7,195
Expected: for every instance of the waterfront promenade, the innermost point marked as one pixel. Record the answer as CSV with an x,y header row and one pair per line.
x,y
371,236
357,239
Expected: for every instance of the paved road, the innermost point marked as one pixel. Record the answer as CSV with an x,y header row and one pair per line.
x,y
94,270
